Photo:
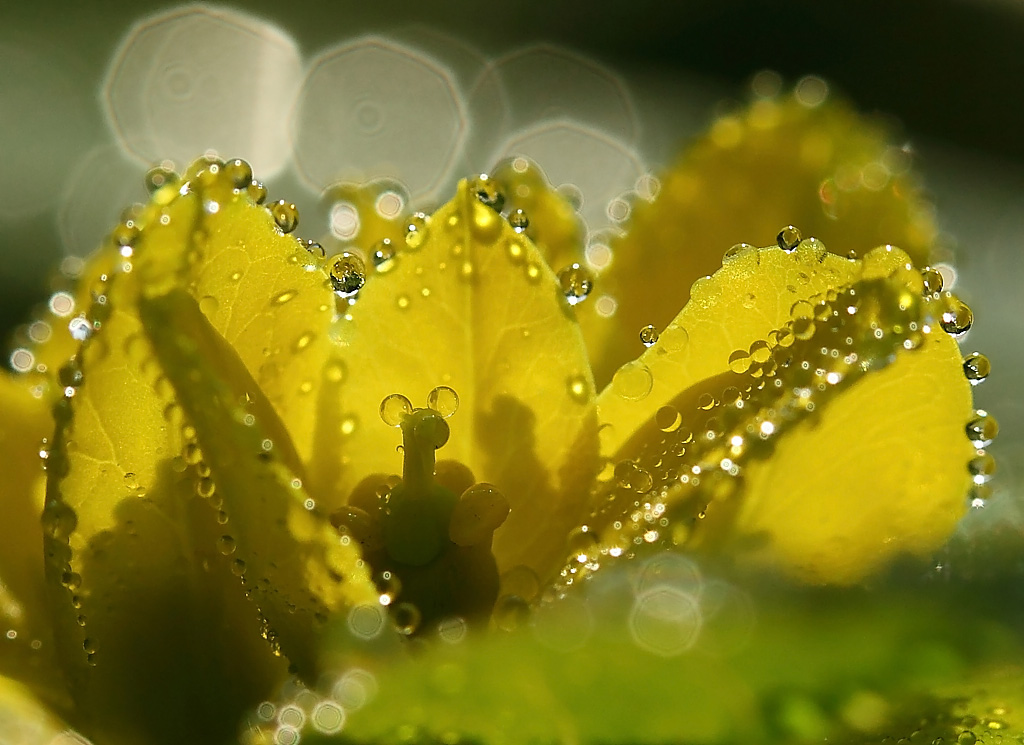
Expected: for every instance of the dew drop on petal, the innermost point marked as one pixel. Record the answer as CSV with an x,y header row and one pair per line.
x,y
789,238
488,192
982,429
976,367
648,335
957,318
285,214
519,221
577,385
576,282
668,418
444,400
383,256
394,409
932,278
633,381
406,618
348,274
239,173
416,231
981,467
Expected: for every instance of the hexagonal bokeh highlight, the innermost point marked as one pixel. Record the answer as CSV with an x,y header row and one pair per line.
x,y
103,182
375,108
665,620
545,82
200,78
592,164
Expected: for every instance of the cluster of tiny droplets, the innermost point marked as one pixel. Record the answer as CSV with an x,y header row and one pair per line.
x,y
694,463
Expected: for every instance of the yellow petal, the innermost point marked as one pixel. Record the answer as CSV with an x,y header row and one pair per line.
x,y
295,565
824,169
836,445
474,307
24,720
750,295
24,616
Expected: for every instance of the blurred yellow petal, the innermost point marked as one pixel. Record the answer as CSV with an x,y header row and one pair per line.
x,y
795,453
27,651
470,304
295,565
822,167
24,720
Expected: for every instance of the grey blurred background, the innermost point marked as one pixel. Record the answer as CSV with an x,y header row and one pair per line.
x,y
80,115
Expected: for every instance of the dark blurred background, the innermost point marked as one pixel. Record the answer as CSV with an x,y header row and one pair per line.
x,y
949,70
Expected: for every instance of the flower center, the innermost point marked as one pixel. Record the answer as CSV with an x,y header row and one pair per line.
x,y
428,535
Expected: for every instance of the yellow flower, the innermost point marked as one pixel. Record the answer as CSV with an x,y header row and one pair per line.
x,y
222,502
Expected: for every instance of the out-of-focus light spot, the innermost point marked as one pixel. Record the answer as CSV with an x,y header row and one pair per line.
x,y
811,91
198,78
344,221
564,626
729,618
544,82
597,164
665,620
606,305
101,184
670,569
41,110
366,621
766,84
22,360
375,108
328,717
355,689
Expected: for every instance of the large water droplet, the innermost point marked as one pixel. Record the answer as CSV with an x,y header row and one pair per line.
x,y
394,409
633,381
982,429
789,238
976,367
932,278
576,282
285,214
519,221
957,318
239,173
348,274
443,400
488,192
648,335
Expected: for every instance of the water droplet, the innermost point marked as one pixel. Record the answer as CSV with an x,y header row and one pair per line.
x,y
226,545
673,339
981,467
59,520
576,282
736,251
348,274
648,335
238,567
383,256
335,371
443,400
957,318
257,192
402,301
406,618
283,297
313,248
739,361
239,172
982,429
629,475
932,278
158,177
285,214
633,381
668,418
394,409
578,388
71,580
976,367
706,402
487,191
519,221
789,238
416,231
